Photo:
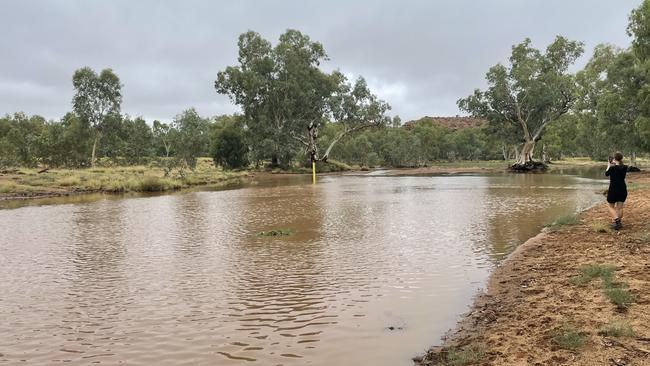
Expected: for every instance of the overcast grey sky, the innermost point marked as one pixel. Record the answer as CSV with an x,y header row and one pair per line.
x,y
419,56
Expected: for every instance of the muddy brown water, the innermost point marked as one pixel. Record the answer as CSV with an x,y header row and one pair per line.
x,y
184,279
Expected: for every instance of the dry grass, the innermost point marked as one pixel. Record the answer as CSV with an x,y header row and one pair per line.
x,y
617,328
600,227
114,179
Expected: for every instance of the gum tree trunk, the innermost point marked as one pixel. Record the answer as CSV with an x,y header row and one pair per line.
x,y
93,157
526,154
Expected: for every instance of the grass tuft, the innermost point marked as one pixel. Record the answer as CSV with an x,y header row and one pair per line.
x,y
637,186
620,296
568,337
6,187
69,181
592,271
616,291
465,356
600,227
617,328
153,184
564,220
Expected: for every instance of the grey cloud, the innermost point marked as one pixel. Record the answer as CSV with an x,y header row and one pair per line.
x,y
421,56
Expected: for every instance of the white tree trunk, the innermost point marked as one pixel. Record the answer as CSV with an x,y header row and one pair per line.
x,y
93,156
526,153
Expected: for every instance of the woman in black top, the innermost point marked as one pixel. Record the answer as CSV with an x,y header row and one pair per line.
x,y
617,192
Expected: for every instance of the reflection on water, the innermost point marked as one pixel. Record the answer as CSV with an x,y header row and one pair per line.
x,y
184,279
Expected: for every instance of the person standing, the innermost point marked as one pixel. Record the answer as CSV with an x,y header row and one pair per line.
x,y
617,192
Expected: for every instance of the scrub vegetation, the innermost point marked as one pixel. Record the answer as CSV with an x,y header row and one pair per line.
x,y
139,178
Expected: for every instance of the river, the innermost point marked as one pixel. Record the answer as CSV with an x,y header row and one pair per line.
x,y
378,269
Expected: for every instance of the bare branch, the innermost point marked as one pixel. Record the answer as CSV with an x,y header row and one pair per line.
x,y
344,133
299,138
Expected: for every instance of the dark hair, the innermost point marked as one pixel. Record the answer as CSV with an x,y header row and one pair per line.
x,y
618,156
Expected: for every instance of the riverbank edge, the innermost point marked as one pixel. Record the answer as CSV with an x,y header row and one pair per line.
x,y
504,325
54,192
487,167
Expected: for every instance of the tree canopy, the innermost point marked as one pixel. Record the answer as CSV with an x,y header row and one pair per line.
x,y
533,91
285,96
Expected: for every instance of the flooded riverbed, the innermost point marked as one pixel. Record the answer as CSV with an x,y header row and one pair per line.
x,y
185,279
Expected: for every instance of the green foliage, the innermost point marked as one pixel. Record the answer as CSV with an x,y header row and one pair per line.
x,y
137,142
533,91
191,139
286,98
467,355
616,292
229,148
592,271
617,328
117,179
564,220
294,112
96,98
568,337
620,296
156,184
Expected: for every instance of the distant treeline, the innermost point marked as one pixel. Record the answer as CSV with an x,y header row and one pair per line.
x,y
294,113
31,141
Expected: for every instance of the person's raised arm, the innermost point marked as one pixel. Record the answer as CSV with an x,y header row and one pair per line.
x,y
609,165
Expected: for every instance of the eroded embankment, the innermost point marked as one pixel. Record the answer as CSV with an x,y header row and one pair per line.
x,y
576,295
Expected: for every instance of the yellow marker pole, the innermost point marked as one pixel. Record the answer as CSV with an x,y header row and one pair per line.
x,y
313,172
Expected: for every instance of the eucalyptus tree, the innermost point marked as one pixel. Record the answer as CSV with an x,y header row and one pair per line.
x,y
613,104
285,97
96,98
191,137
21,139
535,89
138,140
163,135
639,30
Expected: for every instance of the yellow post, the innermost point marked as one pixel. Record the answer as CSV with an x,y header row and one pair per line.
x,y
313,172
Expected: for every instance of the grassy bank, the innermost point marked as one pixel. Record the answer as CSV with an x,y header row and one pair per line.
x,y
29,183
578,294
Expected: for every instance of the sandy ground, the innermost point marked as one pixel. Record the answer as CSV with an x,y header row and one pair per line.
x,y
531,294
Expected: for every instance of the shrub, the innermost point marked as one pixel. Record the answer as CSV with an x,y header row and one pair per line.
x,y
229,148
